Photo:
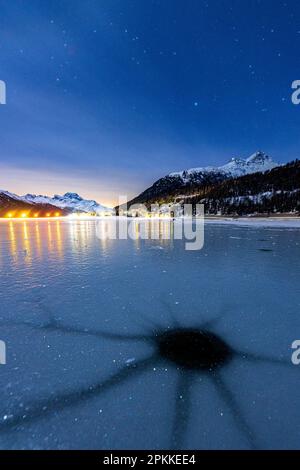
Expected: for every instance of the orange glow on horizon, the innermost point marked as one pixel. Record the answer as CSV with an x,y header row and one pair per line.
x,y
46,181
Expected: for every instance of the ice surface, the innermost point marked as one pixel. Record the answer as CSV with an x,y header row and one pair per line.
x,y
77,314
262,222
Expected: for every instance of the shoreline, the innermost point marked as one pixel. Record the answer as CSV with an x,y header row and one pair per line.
x,y
271,221
287,221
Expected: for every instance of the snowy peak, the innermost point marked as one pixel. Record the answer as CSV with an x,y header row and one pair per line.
x,y
190,182
69,201
69,196
12,205
11,195
236,167
259,161
259,157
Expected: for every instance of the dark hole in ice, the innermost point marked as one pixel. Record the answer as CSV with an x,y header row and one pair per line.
x,y
194,349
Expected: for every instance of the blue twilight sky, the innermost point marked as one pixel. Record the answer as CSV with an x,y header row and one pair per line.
x,y
105,96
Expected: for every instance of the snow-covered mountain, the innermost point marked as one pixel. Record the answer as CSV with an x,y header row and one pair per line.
x,y
272,192
236,167
69,201
9,195
189,182
12,205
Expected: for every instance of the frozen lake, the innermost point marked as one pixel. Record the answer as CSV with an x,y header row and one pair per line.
x,y
81,318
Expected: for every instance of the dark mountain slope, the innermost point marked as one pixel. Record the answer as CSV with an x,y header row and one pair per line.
x,y
277,190
190,182
11,206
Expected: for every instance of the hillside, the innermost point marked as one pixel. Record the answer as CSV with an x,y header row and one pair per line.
x,y
189,182
275,191
234,189
12,205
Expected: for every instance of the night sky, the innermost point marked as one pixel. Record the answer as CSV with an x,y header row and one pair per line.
x,y
106,96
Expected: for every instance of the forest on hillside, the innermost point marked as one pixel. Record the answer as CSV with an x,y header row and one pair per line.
x,y
275,191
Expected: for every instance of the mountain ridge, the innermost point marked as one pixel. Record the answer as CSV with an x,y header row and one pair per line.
x,y
258,161
30,204
69,201
12,205
188,181
274,191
